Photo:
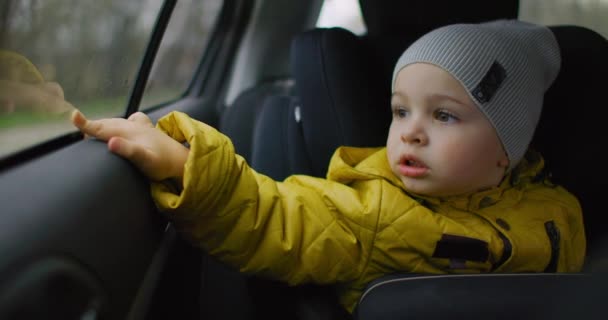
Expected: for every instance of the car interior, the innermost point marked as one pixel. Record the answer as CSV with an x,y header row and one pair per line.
x,y
325,87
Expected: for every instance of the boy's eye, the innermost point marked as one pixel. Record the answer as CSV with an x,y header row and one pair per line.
x,y
445,116
400,112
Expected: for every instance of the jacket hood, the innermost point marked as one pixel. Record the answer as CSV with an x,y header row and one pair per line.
x,y
350,163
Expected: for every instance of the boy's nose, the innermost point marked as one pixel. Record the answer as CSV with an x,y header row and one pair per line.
x,y
414,134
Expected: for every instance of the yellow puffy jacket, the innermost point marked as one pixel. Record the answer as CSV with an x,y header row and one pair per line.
x,y
360,223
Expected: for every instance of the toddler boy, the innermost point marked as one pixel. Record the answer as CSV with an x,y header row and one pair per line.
x,y
453,191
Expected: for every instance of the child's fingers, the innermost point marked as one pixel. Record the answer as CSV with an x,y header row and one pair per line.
x,y
89,128
141,118
126,149
78,119
102,129
94,128
134,152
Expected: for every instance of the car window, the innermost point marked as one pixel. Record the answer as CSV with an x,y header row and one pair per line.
x,y
342,13
185,39
592,14
60,54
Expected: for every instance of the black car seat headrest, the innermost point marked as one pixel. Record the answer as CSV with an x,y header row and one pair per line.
x,y
339,90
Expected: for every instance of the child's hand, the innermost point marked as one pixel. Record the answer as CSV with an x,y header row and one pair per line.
x,y
156,154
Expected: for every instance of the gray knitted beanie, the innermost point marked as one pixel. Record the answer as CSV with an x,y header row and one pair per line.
x,y
506,66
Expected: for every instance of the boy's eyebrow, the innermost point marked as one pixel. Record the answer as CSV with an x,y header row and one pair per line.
x,y
398,94
440,96
435,96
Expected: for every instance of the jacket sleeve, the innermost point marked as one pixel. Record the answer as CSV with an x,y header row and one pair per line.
x,y
292,230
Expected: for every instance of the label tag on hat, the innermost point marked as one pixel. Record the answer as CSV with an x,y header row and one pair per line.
x,y
490,83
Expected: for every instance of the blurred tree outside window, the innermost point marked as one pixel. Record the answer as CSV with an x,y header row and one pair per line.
x,y
60,54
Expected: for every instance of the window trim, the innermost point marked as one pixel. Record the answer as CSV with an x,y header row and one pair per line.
x,y
215,65
147,62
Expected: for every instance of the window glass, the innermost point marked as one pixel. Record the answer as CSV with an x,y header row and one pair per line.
x,y
185,39
342,13
60,54
592,14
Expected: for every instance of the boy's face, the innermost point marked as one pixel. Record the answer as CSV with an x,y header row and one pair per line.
x,y
440,143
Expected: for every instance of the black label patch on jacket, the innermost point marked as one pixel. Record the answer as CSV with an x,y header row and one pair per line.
x,y
461,248
490,83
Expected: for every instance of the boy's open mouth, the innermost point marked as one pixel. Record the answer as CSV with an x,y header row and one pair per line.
x,y
413,163
411,167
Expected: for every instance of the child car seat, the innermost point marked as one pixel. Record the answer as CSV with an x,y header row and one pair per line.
x,y
566,136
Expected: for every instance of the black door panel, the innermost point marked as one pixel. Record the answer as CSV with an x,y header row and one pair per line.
x,y
87,206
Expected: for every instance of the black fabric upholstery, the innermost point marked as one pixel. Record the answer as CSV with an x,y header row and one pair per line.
x,y
505,296
238,120
339,89
278,144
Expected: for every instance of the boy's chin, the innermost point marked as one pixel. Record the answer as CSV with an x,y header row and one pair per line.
x,y
428,189
419,187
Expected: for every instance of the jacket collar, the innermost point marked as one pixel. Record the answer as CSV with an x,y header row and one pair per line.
x,y
349,164
529,171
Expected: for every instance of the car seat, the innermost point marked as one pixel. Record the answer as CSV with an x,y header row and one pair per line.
x,y
237,122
